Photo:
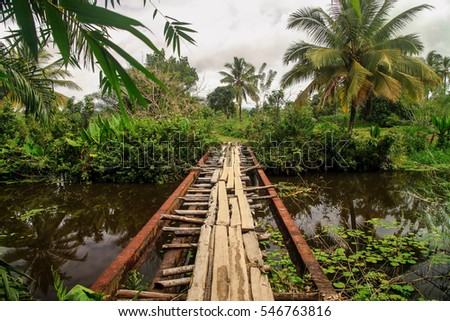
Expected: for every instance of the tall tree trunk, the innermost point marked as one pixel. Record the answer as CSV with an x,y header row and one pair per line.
x,y
240,111
352,117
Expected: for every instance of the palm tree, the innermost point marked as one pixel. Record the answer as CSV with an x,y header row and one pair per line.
x,y
357,52
441,65
80,30
242,79
264,83
25,84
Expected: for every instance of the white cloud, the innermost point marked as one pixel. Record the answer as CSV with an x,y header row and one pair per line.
x,y
253,29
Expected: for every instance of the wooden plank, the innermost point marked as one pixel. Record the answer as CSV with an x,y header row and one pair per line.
x,y
215,176
260,286
130,294
230,178
199,276
178,270
224,175
199,190
194,199
212,207
220,288
195,204
182,230
257,188
179,246
235,214
246,214
223,214
252,250
191,212
239,282
173,283
184,219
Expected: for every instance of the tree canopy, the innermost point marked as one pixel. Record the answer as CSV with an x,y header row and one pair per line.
x,y
80,30
357,52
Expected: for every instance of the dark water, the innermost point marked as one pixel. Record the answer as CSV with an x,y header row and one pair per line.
x,y
76,229
350,199
80,229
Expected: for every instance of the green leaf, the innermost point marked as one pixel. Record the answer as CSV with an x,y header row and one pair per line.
x,y
357,6
25,20
59,30
73,143
81,293
339,285
92,14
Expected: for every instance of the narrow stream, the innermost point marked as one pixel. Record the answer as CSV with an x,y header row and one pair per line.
x,y
79,229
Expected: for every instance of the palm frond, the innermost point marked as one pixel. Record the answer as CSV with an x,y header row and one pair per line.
x,y
397,23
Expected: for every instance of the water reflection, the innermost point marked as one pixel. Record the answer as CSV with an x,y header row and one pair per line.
x,y
350,199
345,199
76,229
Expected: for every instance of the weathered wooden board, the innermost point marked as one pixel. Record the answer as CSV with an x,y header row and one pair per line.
x,y
261,290
223,214
239,282
200,273
220,288
235,214
212,208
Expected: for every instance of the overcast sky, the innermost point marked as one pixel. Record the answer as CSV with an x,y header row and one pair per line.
x,y
253,29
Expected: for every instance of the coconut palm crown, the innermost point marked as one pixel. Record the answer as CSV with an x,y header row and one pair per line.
x,y
242,79
356,52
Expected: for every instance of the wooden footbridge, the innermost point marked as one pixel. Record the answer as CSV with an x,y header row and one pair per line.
x,y
214,252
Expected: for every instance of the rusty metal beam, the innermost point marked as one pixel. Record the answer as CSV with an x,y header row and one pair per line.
x,y
302,248
109,281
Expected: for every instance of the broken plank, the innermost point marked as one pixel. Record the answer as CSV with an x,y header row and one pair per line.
x,y
184,219
221,266
200,272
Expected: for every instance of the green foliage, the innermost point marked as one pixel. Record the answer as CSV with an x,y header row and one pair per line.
x,y
383,112
221,99
81,33
283,274
136,281
361,265
442,124
375,132
12,283
357,52
77,293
